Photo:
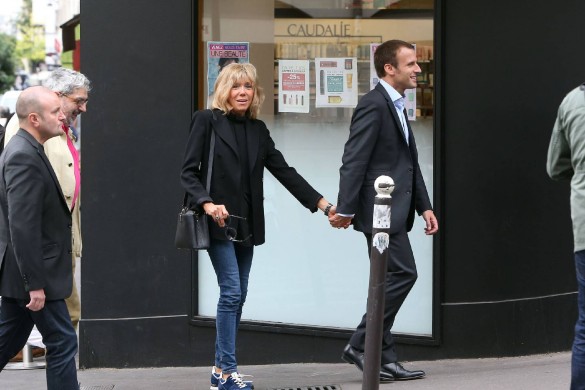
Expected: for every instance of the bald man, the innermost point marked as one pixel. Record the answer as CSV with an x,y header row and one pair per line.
x,y
35,242
73,90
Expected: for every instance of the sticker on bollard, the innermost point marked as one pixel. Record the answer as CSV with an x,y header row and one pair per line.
x,y
381,216
381,242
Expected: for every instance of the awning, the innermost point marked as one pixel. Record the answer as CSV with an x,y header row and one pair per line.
x,y
68,32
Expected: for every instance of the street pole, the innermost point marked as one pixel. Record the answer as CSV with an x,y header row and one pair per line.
x,y
384,186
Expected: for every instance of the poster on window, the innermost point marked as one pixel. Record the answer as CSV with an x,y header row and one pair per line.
x,y
373,75
220,55
336,82
409,94
293,88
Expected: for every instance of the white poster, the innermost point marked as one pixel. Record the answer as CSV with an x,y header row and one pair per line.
x,y
410,103
336,82
373,75
293,88
409,94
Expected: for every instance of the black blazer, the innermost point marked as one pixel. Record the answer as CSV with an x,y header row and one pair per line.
x,y
35,227
226,173
377,146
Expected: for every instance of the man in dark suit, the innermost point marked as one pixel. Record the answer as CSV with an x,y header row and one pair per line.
x,y
35,242
382,143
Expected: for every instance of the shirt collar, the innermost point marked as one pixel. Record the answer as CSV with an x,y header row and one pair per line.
x,y
394,94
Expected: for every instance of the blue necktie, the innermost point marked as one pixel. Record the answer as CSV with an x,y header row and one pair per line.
x,y
399,104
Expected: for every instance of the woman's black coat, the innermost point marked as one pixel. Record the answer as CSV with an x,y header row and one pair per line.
x,y
226,172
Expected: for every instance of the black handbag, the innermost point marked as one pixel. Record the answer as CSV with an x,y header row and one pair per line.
x,y
192,225
192,230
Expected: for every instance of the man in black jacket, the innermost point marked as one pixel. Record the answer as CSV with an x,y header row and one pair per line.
x,y
35,242
381,142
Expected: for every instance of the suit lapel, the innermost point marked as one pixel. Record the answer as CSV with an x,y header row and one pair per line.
x,y
224,131
33,142
393,112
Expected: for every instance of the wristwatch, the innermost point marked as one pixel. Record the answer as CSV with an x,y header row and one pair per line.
x,y
326,211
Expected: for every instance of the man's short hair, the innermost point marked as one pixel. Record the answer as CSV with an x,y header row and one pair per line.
x,y
386,54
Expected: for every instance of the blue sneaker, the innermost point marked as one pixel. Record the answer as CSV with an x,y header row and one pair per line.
x,y
214,379
234,382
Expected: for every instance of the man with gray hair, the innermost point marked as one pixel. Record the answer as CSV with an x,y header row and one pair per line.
x,y
72,88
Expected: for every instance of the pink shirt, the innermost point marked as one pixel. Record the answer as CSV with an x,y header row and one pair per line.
x,y
76,170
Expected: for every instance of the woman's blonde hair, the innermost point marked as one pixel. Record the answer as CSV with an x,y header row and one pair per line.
x,y
233,74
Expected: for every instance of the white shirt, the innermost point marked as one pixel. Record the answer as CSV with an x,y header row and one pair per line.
x,y
398,101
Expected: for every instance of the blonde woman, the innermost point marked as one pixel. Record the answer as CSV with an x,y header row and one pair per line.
x,y
234,202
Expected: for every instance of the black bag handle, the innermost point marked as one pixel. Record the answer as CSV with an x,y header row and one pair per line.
x,y
209,167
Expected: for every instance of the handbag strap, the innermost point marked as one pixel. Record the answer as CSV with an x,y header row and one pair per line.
x,y
209,166
210,161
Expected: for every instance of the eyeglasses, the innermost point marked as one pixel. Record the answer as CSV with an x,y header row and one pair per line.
x,y
230,232
78,101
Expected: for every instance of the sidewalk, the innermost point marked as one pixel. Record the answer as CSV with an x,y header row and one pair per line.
x,y
537,372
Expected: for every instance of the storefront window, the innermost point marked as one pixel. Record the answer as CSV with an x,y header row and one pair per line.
x,y
308,273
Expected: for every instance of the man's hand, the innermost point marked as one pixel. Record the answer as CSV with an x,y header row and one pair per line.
x,y
337,221
432,225
37,300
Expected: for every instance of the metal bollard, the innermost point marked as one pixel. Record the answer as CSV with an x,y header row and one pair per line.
x,y
384,186
27,361
27,356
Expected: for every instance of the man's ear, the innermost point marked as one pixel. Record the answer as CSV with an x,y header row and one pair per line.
x,y
389,69
34,119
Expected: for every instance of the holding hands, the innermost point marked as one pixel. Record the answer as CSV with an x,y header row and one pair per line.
x,y
335,220
338,221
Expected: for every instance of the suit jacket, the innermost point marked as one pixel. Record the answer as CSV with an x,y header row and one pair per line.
x,y
35,224
377,146
226,175
61,160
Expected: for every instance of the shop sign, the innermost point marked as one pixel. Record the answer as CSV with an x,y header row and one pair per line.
x,y
340,29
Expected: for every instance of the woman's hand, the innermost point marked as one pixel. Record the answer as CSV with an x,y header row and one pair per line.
x,y
216,211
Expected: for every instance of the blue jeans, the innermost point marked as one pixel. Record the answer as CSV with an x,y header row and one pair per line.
x,y
232,263
54,324
578,358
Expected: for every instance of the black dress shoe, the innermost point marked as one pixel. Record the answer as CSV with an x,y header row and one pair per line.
x,y
386,377
352,356
400,373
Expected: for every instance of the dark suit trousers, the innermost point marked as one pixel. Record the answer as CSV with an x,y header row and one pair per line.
x,y
54,324
400,277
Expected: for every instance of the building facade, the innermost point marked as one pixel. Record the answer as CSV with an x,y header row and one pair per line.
x,y
498,280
